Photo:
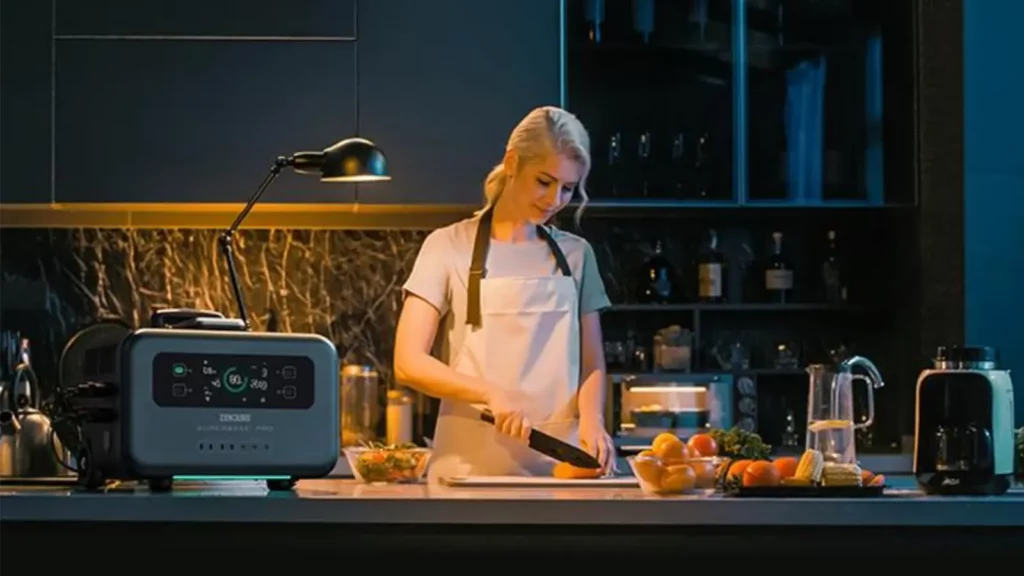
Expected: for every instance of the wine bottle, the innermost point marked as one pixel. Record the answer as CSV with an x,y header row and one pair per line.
x,y
656,284
832,273
778,273
711,271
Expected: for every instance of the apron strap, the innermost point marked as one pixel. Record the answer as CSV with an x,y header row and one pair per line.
x,y
477,266
563,264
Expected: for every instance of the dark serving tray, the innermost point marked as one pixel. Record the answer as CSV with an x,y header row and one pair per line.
x,y
807,492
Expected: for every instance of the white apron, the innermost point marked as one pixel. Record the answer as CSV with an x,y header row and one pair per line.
x,y
523,336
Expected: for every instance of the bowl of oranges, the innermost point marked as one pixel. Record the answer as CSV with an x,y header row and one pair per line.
x,y
673,467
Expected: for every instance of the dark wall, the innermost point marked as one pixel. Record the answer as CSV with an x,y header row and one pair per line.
x,y
994,181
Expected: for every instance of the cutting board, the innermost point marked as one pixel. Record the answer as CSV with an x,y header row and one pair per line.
x,y
536,482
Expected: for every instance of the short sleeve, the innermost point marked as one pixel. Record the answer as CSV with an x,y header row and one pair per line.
x,y
429,276
593,297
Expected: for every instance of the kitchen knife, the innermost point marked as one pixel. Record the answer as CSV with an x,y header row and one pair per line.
x,y
548,445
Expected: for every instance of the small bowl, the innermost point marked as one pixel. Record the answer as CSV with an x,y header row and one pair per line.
x,y
388,465
654,477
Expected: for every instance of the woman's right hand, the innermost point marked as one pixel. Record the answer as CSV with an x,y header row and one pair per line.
x,y
509,418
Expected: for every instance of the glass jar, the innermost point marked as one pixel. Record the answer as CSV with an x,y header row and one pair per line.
x,y
399,417
360,404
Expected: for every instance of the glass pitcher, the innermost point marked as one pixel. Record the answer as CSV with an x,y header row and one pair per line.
x,y
830,416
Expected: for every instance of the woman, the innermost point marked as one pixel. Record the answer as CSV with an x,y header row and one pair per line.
x,y
520,301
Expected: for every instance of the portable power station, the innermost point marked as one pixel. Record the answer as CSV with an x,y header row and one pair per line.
x,y
155,404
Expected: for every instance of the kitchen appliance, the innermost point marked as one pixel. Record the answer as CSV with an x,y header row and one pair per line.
x,y
156,404
550,446
830,412
645,405
963,436
28,446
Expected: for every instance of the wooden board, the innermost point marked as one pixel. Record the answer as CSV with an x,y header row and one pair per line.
x,y
536,482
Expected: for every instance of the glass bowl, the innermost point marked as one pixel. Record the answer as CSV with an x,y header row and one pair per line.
x,y
388,465
664,479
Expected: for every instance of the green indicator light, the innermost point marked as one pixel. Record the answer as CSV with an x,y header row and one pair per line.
x,y
179,370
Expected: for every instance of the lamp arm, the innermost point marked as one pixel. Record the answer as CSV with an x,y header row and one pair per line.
x,y
228,236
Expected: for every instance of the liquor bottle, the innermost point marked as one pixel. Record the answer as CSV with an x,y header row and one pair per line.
x,y
711,271
778,274
656,282
832,273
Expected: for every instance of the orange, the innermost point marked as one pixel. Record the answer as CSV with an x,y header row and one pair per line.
x,y
566,471
648,470
762,473
787,466
737,469
865,477
646,454
705,472
679,478
663,438
703,445
672,451
877,480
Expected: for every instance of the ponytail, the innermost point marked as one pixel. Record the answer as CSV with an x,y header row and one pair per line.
x,y
494,185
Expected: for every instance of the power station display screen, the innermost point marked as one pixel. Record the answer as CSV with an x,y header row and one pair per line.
x,y
232,381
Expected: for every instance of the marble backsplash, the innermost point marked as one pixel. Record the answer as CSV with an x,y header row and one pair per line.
x,y
342,284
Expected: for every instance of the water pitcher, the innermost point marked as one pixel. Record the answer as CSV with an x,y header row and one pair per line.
x,y
830,415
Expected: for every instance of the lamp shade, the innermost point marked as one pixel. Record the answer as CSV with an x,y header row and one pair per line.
x,y
351,160
354,160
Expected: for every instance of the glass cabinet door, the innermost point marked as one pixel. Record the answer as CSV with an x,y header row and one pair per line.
x,y
753,102
652,81
820,75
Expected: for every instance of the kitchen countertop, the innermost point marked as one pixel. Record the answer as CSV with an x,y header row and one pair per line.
x,y
346,502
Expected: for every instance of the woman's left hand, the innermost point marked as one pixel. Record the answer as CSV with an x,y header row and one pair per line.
x,y
594,438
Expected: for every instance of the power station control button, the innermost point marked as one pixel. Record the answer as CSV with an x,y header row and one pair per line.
x,y
179,390
288,392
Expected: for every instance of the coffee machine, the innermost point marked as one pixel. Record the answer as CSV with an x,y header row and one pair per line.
x,y
964,437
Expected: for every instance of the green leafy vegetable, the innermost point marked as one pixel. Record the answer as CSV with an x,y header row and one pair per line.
x,y
739,444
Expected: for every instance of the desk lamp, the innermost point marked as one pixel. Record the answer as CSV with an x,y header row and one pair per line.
x,y
351,160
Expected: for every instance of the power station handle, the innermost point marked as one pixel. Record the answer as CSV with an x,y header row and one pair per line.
x,y
171,316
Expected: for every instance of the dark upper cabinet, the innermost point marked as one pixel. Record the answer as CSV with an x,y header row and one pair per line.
x,y
322,19
441,85
25,102
184,121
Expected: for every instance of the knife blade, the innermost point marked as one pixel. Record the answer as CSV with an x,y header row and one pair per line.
x,y
550,446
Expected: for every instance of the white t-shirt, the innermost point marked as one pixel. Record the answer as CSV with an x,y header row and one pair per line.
x,y
441,273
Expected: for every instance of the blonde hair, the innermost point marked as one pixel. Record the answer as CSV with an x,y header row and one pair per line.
x,y
544,131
